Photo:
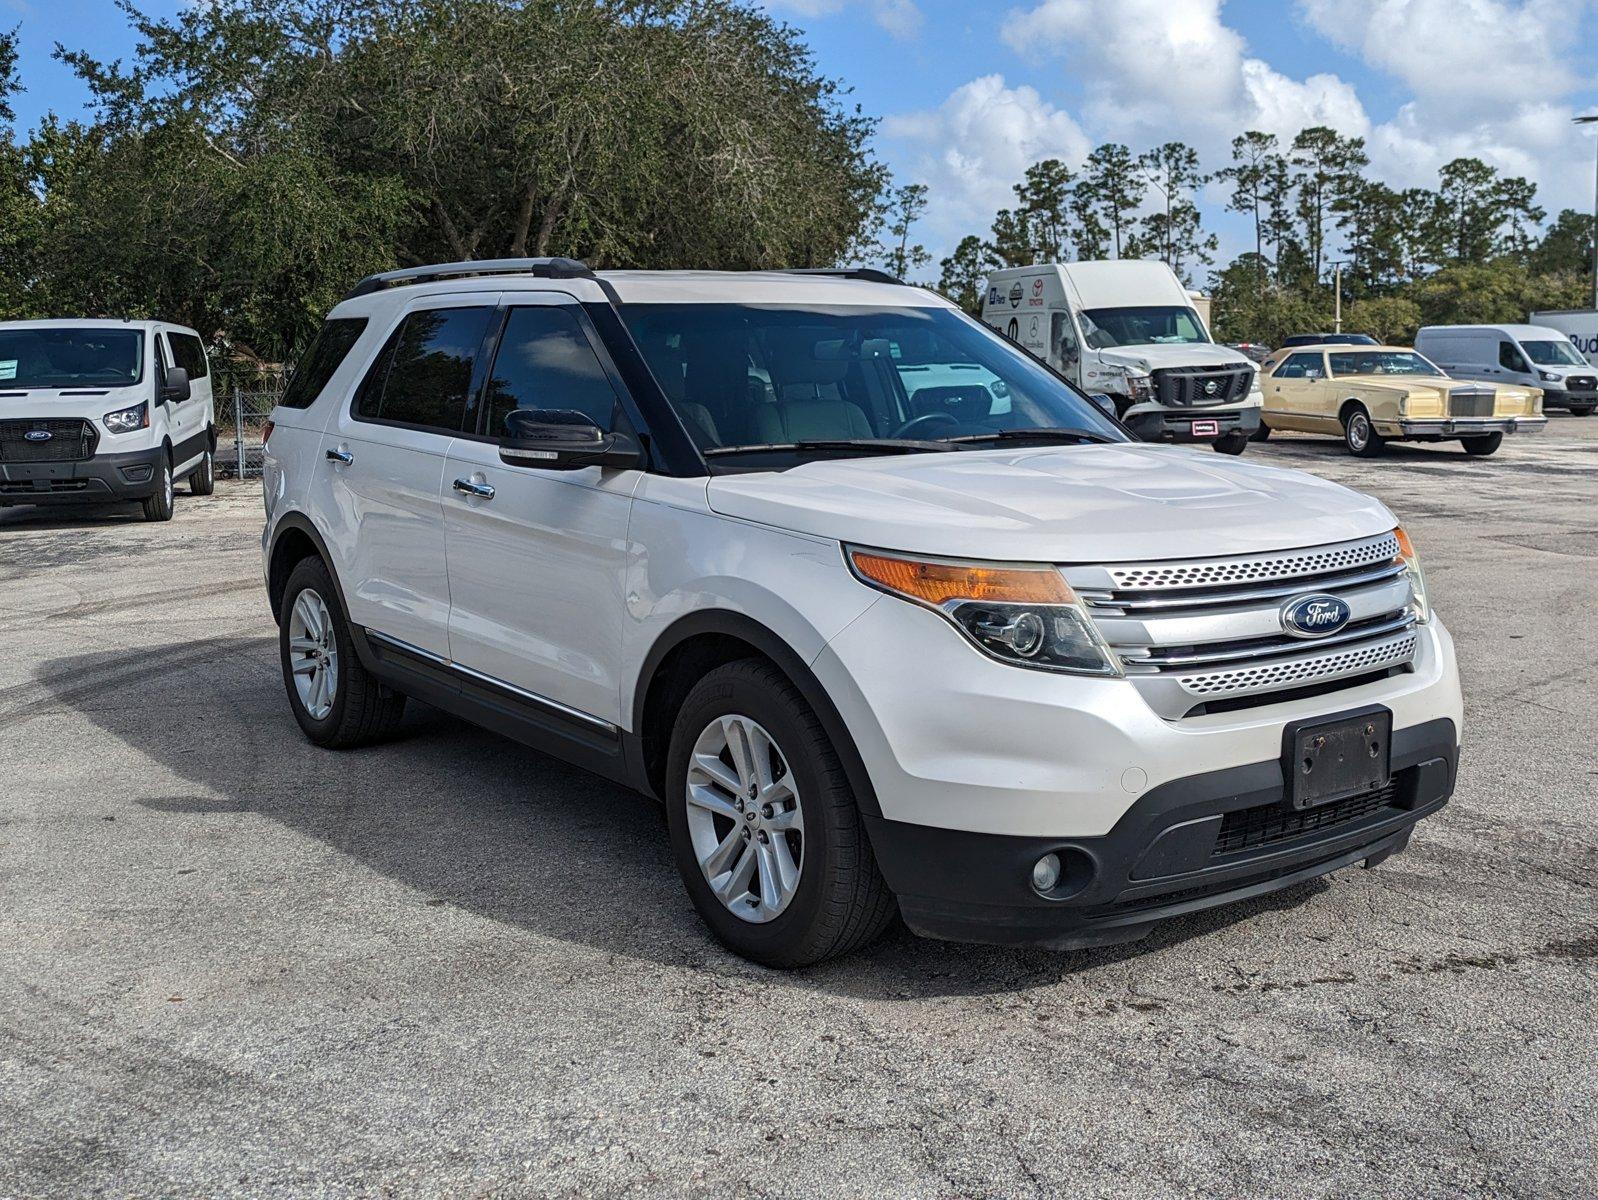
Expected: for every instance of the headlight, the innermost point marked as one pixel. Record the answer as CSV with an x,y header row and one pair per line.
x,y
1547,377
1417,578
1139,387
126,420
1024,615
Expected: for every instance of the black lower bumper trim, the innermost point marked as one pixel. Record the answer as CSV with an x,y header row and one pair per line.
x,y
99,480
1176,425
1163,857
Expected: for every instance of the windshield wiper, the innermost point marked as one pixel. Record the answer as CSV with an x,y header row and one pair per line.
x,y
1047,434
840,445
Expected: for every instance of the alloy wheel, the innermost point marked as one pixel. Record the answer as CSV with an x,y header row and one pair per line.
x,y
745,819
313,654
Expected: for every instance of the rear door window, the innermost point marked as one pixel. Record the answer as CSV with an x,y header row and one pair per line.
x,y
424,377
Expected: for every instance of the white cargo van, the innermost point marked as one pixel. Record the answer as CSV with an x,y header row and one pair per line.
x,y
1128,329
1538,356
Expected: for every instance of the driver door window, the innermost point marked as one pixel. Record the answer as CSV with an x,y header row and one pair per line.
x,y
546,362
1511,359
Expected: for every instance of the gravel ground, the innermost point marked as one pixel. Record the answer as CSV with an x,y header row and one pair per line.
x,y
231,964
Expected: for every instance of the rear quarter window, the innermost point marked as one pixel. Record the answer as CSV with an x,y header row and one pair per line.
x,y
316,366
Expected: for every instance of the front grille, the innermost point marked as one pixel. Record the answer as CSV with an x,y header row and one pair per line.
x,y
1581,383
1195,635
1196,387
1471,402
1251,828
69,440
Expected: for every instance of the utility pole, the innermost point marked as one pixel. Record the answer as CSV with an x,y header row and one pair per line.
x,y
1592,120
1337,296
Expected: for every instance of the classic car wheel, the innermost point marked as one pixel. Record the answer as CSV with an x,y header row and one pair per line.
x,y
1358,435
1484,445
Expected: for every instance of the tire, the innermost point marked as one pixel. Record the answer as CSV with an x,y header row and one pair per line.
x,y
202,480
159,506
1483,446
837,900
1581,410
1359,437
355,709
1262,434
1231,443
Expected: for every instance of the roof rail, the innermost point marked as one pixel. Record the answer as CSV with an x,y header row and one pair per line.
x,y
864,274
542,268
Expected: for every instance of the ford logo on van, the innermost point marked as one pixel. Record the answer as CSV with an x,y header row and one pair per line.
x,y
38,435
1314,616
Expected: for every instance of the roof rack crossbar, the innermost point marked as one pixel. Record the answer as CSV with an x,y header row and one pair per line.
x,y
542,268
864,274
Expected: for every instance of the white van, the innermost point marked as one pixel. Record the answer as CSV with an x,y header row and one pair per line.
x,y
1525,355
95,411
1128,329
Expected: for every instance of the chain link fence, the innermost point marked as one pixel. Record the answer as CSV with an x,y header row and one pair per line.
x,y
241,413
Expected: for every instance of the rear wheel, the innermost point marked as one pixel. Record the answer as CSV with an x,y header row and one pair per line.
x,y
159,506
764,826
335,699
1482,446
1359,435
1231,443
202,480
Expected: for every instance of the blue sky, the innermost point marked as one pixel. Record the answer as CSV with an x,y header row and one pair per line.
x,y
971,93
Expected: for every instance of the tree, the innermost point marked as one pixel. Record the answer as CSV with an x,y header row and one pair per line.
x,y
1044,205
300,141
905,206
1253,154
1370,216
964,274
1390,319
1327,167
1173,229
1469,213
1567,246
1113,190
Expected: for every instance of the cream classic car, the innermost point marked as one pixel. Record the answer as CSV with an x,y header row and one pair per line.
x,y
1376,394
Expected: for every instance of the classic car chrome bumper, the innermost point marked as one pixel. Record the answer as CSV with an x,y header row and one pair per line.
x,y
1460,426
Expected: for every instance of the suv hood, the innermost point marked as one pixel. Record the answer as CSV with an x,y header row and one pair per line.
x,y
1143,359
1063,504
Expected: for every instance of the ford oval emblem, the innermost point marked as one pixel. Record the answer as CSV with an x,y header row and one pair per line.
x,y
1314,616
38,435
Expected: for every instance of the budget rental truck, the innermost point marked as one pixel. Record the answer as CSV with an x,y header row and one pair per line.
x,y
1128,329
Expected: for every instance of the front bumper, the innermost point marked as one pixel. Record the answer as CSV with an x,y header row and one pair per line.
x,y
1176,425
131,475
1459,427
1570,399
1190,844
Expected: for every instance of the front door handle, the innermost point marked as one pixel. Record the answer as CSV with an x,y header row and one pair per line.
x,y
482,491
341,456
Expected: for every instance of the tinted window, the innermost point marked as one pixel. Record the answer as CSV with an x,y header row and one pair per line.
x,y
545,361
1509,357
188,353
429,360
316,366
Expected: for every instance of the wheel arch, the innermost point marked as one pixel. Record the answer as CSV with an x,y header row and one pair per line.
x,y
294,539
702,641
1349,404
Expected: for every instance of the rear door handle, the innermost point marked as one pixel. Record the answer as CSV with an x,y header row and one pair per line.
x,y
482,491
342,457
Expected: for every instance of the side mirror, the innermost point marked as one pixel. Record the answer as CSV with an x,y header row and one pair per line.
x,y
555,439
1105,403
175,386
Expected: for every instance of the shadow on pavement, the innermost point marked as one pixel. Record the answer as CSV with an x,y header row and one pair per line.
x,y
464,818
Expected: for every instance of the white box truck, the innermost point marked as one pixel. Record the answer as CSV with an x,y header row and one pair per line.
x,y
1580,325
1128,329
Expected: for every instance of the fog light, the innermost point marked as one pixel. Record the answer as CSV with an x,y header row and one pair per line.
x,y
1046,873
136,474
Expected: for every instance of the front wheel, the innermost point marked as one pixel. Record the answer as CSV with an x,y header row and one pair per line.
x,y
1359,436
1262,434
1482,446
159,506
1232,443
1581,410
764,826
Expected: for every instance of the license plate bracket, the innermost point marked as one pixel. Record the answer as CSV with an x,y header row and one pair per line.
x,y
1206,429
1331,760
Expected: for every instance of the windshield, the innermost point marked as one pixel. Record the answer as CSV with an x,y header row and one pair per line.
x,y
761,376
1158,325
1382,362
1553,354
70,358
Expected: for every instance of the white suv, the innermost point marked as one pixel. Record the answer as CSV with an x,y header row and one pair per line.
x,y
967,653
100,411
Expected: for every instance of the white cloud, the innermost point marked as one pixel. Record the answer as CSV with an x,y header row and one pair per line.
x,y
973,148
901,18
